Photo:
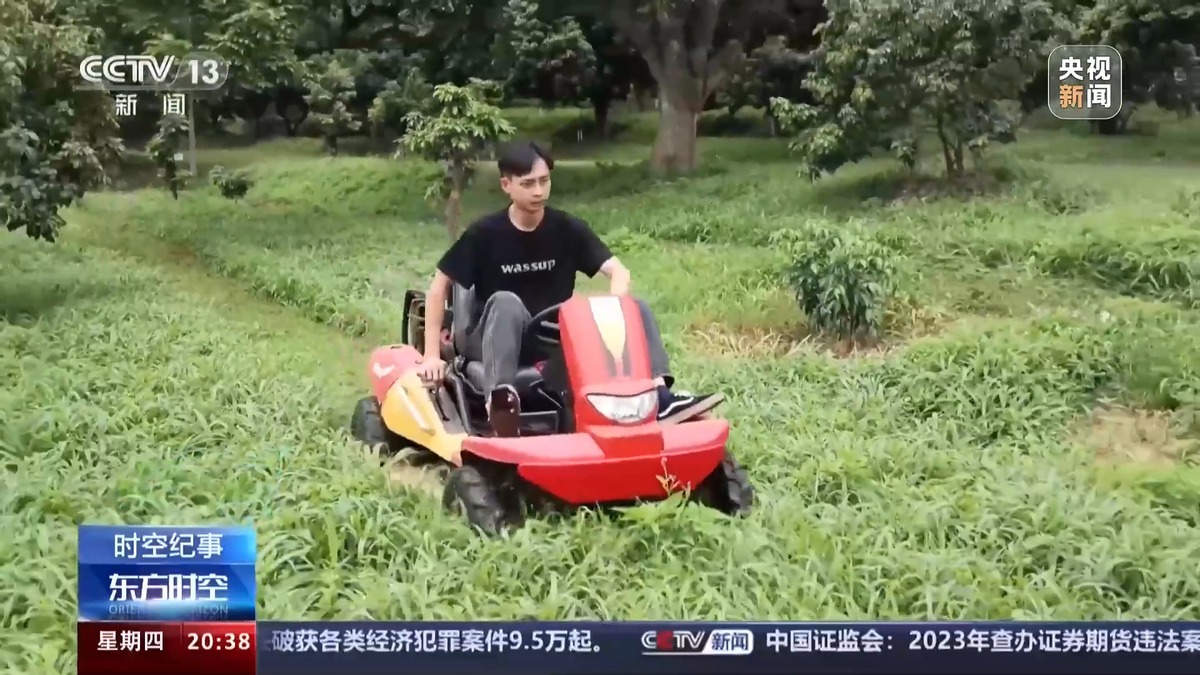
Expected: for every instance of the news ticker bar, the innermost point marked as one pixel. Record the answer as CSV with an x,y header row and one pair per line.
x,y
638,648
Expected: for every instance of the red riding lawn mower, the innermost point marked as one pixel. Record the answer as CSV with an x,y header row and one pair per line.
x,y
589,434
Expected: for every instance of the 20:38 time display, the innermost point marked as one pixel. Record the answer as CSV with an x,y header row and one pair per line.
x,y
214,642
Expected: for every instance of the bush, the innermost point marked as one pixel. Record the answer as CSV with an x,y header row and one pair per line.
x,y
842,280
232,184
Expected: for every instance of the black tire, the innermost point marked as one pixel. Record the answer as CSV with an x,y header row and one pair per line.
x,y
469,493
366,425
727,489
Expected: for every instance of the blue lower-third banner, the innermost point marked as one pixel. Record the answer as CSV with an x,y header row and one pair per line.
x,y
664,648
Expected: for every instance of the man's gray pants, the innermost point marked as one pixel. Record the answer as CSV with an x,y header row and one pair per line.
x,y
496,339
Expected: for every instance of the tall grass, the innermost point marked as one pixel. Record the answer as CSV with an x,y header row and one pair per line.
x,y
196,361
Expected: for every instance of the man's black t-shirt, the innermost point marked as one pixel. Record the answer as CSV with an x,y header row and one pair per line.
x,y
538,266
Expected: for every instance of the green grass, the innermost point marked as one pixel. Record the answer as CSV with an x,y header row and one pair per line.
x,y
196,361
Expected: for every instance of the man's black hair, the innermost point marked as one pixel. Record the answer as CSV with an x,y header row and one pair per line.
x,y
517,159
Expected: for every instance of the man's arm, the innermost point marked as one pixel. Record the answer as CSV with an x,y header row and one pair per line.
x,y
456,266
594,256
619,280
435,313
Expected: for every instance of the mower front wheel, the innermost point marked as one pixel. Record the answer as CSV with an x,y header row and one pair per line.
x,y
470,493
727,489
366,426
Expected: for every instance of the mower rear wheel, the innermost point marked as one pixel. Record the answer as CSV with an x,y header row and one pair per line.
x,y
727,489
366,425
469,493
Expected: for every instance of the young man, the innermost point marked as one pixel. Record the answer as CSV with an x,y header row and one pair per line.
x,y
520,261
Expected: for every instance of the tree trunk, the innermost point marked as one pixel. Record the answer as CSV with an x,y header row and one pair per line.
x,y
675,144
453,212
600,108
331,146
677,42
170,173
191,113
944,140
1110,127
641,98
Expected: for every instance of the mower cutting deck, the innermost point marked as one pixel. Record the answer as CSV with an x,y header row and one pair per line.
x,y
589,433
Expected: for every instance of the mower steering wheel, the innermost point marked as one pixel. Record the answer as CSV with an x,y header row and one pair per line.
x,y
543,327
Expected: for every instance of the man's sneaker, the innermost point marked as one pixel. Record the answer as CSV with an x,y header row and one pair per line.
x,y
504,411
682,406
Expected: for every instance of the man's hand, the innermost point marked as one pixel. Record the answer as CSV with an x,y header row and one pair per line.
x,y
432,367
619,280
432,370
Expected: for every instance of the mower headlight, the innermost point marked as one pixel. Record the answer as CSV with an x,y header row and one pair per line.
x,y
625,409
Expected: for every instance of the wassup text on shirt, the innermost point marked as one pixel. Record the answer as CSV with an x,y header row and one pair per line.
x,y
539,266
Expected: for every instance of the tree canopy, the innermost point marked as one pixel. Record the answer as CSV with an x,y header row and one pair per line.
x,y
844,77
55,138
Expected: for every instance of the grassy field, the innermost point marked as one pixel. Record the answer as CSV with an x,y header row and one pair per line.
x,y
1021,445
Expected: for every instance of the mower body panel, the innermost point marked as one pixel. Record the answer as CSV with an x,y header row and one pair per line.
x,y
406,405
604,342
590,468
606,353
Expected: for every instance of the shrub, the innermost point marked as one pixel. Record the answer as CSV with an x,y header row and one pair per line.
x,y
841,279
232,184
165,149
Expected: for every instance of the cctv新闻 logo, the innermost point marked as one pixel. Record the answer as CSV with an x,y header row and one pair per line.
x,y
719,641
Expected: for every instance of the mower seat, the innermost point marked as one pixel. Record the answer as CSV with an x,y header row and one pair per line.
x,y
462,300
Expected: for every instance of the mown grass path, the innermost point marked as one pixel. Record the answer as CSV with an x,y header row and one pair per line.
x,y
340,360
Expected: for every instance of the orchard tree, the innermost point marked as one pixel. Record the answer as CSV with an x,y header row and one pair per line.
x,y
389,113
889,69
549,60
772,70
454,37
692,48
567,60
744,87
620,70
782,45
168,143
55,139
1158,41
380,70
459,126
256,39
329,79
